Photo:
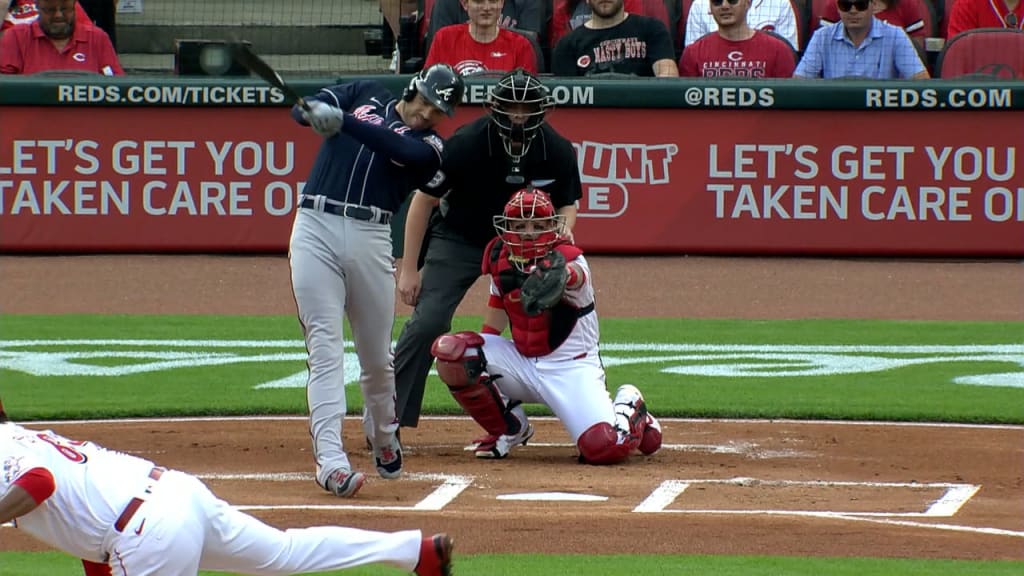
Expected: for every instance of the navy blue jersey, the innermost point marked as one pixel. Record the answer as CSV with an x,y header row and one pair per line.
x,y
376,160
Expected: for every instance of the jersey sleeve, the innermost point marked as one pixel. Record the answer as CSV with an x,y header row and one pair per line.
x,y
962,17
697,21
11,61
688,65
439,49
563,57
567,188
109,63
659,44
526,57
457,151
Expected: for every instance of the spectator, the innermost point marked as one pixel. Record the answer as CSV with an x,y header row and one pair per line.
x,y
24,12
481,45
737,50
104,16
971,14
55,42
907,14
860,45
571,14
772,15
521,14
614,40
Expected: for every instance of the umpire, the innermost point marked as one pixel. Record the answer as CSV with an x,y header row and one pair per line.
x,y
484,163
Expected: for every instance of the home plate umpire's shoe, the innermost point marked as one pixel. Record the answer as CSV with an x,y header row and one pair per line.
x,y
435,556
344,483
389,459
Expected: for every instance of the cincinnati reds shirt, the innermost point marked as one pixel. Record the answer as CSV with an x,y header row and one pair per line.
x,y
93,486
971,14
455,46
772,15
907,14
27,50
760,56
631,47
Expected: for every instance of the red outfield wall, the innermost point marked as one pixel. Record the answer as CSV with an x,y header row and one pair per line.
x,y
655,181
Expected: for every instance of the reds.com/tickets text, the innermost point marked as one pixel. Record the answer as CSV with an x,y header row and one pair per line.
x,y
189,95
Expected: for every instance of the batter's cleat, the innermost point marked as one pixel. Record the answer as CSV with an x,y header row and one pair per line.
x,y
496,447
435,556
389,459
344,483
650,442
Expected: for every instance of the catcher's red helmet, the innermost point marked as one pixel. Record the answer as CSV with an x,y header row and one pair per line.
x,y
529,226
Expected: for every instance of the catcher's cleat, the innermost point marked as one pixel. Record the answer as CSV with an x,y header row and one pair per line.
x,y
344,483
496,447
435,556
651,440
389,459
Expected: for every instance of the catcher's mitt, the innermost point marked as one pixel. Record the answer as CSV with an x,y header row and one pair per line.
x,y
545,284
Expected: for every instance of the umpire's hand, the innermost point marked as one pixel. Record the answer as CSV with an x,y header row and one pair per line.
x,y
409,284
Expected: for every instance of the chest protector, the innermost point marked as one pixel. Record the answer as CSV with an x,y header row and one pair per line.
x,y
539,335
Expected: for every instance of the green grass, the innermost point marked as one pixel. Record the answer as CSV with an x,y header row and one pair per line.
x,y
55,564
924,391
914,392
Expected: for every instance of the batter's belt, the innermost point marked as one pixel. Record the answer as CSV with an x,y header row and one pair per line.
x,y
355,211
135,503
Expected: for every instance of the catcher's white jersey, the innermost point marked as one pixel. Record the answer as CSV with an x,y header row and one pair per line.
x,y
93,485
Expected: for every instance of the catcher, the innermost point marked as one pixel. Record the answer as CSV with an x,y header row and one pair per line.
x,y
541,286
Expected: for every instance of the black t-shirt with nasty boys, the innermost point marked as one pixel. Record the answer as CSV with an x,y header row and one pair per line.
x,y
630,47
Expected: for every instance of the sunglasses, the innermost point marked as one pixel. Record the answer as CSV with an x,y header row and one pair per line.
x,y
720,2
860,5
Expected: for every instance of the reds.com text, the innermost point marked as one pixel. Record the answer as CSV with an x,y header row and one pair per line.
x,y
166,95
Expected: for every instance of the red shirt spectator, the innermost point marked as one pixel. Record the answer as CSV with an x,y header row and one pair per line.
x,y
907,14
55,42
454,45
25,12
760,56
971,14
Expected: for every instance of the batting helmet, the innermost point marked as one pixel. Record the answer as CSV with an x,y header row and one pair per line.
x,y
518,104
529,226
440,85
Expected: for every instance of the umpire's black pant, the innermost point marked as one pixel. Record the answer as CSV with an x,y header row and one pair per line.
x,y
451,266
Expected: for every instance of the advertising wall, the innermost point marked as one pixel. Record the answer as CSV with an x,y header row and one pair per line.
x,y
219,179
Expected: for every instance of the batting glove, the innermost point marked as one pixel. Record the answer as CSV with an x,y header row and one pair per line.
x,y
325,119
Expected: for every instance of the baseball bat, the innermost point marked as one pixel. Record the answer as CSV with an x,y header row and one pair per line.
x,y
244,55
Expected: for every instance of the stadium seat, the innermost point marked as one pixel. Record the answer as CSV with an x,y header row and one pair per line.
x,y
991,53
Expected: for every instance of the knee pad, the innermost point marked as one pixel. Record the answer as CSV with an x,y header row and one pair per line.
x,y
462,366
460,358
599,444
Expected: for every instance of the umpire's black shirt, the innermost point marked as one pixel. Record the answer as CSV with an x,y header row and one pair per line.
x,y
474,167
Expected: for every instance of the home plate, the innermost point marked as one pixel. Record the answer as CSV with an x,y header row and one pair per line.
x,y
553,497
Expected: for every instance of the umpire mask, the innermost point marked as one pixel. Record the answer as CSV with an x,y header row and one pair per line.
x,y
518,104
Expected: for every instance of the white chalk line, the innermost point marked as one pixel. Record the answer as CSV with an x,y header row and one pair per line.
x,y
954,497
874,423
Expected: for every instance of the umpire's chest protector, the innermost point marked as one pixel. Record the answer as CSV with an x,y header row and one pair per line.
x,y
533,336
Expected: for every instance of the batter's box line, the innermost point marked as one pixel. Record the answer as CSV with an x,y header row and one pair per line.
x,y
955,496
449,489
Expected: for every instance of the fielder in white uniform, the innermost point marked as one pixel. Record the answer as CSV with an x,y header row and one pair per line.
x,y
551,359
125,516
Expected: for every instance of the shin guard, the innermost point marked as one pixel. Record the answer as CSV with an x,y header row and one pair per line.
x,y
463,368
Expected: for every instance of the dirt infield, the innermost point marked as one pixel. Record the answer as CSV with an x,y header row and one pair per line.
x,y
717,487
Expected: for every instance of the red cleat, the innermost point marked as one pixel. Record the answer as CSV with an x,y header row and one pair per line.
x,y
435,556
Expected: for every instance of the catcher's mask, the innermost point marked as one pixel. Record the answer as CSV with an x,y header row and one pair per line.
x,y
517,106
529,226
